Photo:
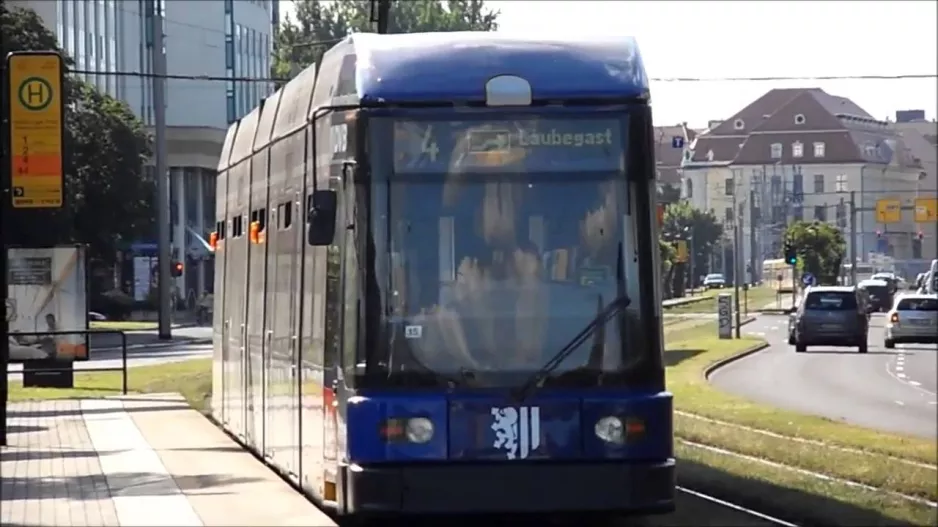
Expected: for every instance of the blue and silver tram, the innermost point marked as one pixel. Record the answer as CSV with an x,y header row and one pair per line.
x,y
436,279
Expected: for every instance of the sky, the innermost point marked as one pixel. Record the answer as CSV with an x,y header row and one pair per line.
x,y
755,39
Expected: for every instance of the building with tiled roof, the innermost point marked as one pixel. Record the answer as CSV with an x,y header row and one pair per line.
x,y
796,154
671,145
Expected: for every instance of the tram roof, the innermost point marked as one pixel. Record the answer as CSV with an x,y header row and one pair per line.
x,y
455,66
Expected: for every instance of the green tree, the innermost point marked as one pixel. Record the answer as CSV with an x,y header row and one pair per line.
x,y
821,249
701,230
319,25
108,196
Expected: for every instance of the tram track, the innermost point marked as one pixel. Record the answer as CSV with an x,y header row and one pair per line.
x,y
732,511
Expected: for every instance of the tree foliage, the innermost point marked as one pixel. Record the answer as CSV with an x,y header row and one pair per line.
x,y
319,25
108,196
701,229
821,249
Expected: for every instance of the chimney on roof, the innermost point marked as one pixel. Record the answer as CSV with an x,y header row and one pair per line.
x,y
910,116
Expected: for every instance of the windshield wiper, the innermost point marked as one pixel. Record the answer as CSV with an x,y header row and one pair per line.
x,y
537,378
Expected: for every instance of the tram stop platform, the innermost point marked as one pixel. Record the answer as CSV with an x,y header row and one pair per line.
x,y
136,461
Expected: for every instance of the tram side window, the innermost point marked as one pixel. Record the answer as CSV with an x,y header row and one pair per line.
x,y
285,213
260,216
237,227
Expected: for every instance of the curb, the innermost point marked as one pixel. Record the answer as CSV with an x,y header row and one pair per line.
x,y
708,371
156,345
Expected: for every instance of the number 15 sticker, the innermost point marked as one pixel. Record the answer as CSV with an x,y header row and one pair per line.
x,y
413,332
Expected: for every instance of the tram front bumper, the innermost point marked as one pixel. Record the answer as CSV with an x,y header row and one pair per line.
x,y
503,488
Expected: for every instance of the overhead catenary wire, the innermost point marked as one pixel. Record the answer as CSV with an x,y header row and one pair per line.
x,y
211,78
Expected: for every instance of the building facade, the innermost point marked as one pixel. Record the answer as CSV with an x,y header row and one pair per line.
x,y
802,154
218,56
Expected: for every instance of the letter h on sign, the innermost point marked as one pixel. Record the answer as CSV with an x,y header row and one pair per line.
x,y
34,93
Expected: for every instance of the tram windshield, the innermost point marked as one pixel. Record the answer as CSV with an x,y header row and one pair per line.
x,y
498,241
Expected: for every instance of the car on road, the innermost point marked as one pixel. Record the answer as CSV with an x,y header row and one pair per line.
x,y
714,281
881,293
831,316
913,319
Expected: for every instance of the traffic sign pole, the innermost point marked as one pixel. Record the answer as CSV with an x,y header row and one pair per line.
x,y
34,137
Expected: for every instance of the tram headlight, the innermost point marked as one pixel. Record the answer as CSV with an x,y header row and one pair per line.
x,y
610,429
419,430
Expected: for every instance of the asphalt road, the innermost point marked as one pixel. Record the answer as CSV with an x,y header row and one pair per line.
x,y
891,390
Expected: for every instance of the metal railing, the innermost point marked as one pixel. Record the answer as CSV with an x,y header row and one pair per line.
x,y
52,364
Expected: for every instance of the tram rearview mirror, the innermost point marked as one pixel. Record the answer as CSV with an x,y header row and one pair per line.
x,y
320,228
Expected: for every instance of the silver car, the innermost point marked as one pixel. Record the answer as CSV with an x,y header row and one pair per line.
x,y
912,319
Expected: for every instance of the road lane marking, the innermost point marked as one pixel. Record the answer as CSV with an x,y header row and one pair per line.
x,y
901,377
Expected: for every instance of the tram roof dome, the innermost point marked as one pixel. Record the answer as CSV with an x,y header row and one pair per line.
x,y
455,66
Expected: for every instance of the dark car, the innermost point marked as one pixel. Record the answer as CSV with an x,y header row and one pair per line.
x,y
881,293
831,316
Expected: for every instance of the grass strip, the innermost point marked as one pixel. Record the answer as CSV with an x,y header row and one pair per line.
x,y
191,378
874,471
797,497
754,299
122,325
696,349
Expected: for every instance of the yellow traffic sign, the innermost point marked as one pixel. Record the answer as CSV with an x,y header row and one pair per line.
x,y
926,210
889,211
681,246
36,128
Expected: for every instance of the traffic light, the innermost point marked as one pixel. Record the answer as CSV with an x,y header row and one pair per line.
x,y
176,269
791,256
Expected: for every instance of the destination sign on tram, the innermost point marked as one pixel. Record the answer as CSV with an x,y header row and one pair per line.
x,y
543,145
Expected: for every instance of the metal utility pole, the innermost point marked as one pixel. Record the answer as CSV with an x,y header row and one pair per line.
x,y
737,227
5,176
162,175
853,238
380,14
752,236
737,264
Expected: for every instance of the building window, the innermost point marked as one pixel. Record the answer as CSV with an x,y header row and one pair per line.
x,y
728,186
797,213
818,149
688,188
841,215
739,124
728,215
840,183
818,183
799,119
820,213
776,185
232,111
797,185
797,149
776,150
778,214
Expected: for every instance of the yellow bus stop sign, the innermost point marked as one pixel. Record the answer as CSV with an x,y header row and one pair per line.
x,y
926,210
36,128
888,211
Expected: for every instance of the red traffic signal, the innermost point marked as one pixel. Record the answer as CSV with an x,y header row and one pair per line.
x,y
176,269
